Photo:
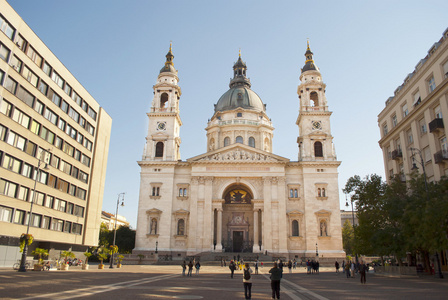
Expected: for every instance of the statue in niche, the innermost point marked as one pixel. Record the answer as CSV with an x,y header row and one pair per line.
x,y
153,229
323,228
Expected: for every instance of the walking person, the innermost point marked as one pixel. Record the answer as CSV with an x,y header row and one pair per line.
x,y
276,276
190,268
232,268
352,269
256,266
184,266
247,282
336,265
347,269
290,266
362,271
198,266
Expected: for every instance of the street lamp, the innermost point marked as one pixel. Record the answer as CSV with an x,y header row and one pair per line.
x,y
353,218
42,161
115,228
414,168
317,253
157,242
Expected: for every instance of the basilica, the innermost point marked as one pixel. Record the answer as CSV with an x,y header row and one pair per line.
x,y
239,196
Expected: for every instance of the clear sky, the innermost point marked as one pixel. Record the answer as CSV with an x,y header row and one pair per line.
x,y
115,49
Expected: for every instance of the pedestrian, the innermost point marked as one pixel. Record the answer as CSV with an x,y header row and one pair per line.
x,y
232,268
347,269
343,265
256,266
352,269
247,282
294,264
280,265
290,266
276,276
308,267
336,265
190,268
197,266
362,271
184,266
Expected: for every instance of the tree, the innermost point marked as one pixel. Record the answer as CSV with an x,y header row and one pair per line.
x,y
105,236
348,237
40,253
125,239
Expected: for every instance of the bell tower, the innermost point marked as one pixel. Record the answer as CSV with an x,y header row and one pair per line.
x,y
163,139
315,140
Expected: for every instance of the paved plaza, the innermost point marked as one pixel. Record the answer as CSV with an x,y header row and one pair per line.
x,y
213,282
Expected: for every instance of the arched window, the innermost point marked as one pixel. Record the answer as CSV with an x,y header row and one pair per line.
x,y
318,149
163,100
181,227
153,226
239,139
314,99
319,193
226,141
154,191
296,194
185,192
323,192
291,193
159,149
252,142
180,192
295,228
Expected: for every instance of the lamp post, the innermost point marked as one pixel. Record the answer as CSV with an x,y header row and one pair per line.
x,y
414,168
317,253
353,220
157,243
41,161
111,266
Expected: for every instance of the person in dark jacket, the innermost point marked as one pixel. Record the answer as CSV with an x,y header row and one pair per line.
x,y
232,268
276,276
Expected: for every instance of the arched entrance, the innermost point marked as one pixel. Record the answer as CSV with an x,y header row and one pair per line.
x,y
237,219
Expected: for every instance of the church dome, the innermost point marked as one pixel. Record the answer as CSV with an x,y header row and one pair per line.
x,y
239,94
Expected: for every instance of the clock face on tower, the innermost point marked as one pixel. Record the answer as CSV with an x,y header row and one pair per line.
x,y
316,125
161,125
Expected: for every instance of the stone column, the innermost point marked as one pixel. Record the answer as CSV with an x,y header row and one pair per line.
x,y
267,217
219,231
192,226
256,247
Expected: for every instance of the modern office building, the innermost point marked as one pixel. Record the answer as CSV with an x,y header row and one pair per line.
x,y
239,196
54,138
414,119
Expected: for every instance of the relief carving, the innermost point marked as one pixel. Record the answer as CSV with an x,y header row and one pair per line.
x,y
238,155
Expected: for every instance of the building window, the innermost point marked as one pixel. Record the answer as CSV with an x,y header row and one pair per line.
x,y
318,152
16,140
10,85
4,52
427,154
239,115
68,89
16,63
438,112
385,130
405,110
5,214
295,228
8,188
445,69
35,57
410,137
57,79
239,139
50,116
19,217
431,84
30,76
226,141
181,227
6,28
394,120
159,149
423,128
252,142
21,118
156,191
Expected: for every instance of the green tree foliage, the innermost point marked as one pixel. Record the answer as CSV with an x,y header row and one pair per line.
x,y
400,217
347,237
125,238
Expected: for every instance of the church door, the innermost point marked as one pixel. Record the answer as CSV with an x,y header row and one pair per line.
x,y
238,240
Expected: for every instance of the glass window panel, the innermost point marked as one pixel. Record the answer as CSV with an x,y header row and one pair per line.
x,y
5,214
4,52
5,108
19,217
22,193
25,96
30,148
46,68
10,85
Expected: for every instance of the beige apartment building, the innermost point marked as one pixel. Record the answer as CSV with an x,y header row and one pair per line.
x,y
54,138
413,121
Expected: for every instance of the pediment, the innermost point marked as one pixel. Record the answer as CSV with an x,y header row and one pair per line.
x,y
238,153
295,213
153,211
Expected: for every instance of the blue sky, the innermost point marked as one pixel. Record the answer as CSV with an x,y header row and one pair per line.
x,y
364,50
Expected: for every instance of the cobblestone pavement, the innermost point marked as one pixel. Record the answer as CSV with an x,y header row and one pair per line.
x,y
213,282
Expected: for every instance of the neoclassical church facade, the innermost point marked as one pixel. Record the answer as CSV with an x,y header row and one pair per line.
x,y
239,196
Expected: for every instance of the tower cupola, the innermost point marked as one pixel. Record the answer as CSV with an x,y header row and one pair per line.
x,y
239,74
309,62
169,66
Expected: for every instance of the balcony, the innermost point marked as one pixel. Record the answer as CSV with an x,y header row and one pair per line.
x,y
397,154
441,156
435,125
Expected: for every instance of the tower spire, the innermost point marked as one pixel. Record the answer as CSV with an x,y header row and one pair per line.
x,y
239,73
169,65
309,62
